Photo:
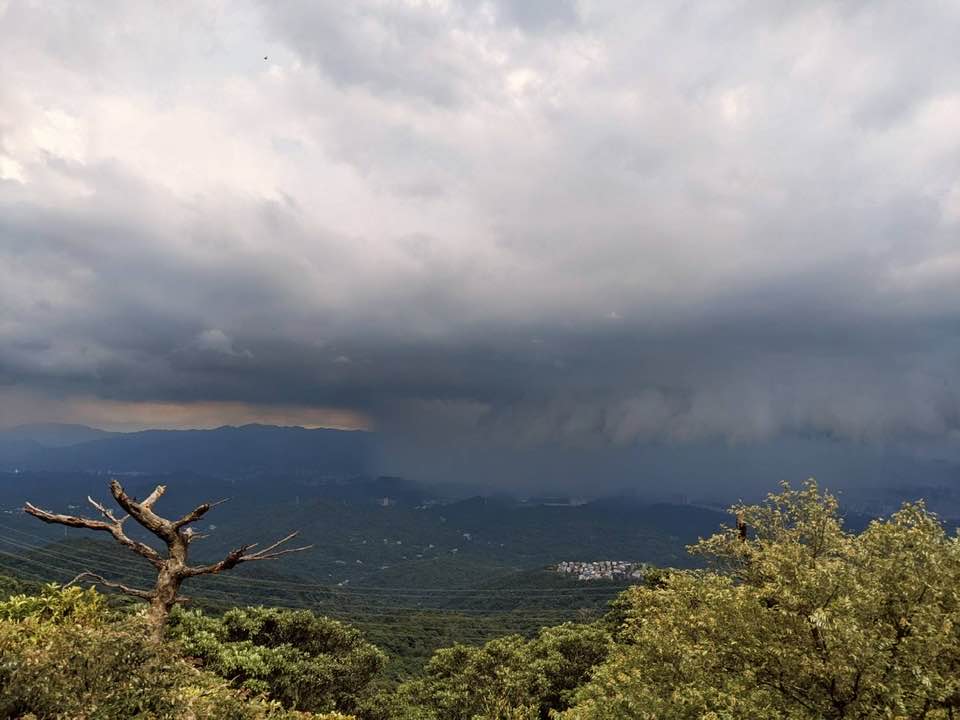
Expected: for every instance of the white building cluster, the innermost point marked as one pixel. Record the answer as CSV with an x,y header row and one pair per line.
x,y
603,570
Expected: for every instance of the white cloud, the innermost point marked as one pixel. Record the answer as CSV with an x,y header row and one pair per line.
x,y
10,169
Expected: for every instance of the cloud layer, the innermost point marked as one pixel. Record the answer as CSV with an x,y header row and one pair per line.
x,y
514,221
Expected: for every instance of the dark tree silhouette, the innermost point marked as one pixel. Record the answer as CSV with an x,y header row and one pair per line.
x,y
172,569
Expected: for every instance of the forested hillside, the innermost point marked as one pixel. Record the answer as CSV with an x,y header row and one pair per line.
x,y
792,616
374,532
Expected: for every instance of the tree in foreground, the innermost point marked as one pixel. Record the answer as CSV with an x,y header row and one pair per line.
x,y
801,620
172,569
509,678
65,654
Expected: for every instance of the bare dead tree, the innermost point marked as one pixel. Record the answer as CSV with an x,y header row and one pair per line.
x,y
172,569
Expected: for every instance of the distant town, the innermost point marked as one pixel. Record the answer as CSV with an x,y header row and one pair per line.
x,y
604,570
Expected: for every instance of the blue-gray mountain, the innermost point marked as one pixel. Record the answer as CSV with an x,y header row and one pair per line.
x,y
221,451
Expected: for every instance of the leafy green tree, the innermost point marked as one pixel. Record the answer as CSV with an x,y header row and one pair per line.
x,y
509,678
564,656
304,661
64,654
799,620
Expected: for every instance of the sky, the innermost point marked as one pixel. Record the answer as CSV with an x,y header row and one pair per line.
x,y
509,224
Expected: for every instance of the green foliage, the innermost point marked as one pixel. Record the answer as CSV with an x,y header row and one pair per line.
x,y
410,638
404,545
801,620
14,586
54,606
303,661
63,654
509,678
805,621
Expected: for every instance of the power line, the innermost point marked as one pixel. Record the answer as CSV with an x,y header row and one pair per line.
x,y
361,617
138,573
357,618
395,591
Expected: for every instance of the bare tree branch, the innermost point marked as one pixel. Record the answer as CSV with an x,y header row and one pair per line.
x,y
71,520
197,513
172,568
230,561
114,527
97,579
106,512
267,554
241,555
154,496
275,555
142,512
190,535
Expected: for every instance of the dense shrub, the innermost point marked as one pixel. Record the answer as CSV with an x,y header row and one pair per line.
x,y
64,655
304,661
509,678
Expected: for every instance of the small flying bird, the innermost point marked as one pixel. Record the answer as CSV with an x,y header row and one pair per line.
x,y
264,57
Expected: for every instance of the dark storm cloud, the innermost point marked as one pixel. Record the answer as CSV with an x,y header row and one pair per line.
x,y
502,224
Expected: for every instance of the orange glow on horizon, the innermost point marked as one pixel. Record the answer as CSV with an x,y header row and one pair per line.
x,y
131,416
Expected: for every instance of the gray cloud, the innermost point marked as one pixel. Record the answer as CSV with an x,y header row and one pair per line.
x,y
506,223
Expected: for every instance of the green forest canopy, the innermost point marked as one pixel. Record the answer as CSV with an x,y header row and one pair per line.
x,y
800,620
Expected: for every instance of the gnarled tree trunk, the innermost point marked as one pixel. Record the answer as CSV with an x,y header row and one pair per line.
x,y
172,568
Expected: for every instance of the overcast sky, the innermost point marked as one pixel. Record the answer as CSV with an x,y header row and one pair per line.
x,y
514,222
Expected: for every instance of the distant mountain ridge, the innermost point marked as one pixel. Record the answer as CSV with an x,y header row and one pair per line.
x,y
381,532
55,434
227,449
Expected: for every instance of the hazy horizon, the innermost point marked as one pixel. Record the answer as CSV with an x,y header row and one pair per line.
x,y
520,236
